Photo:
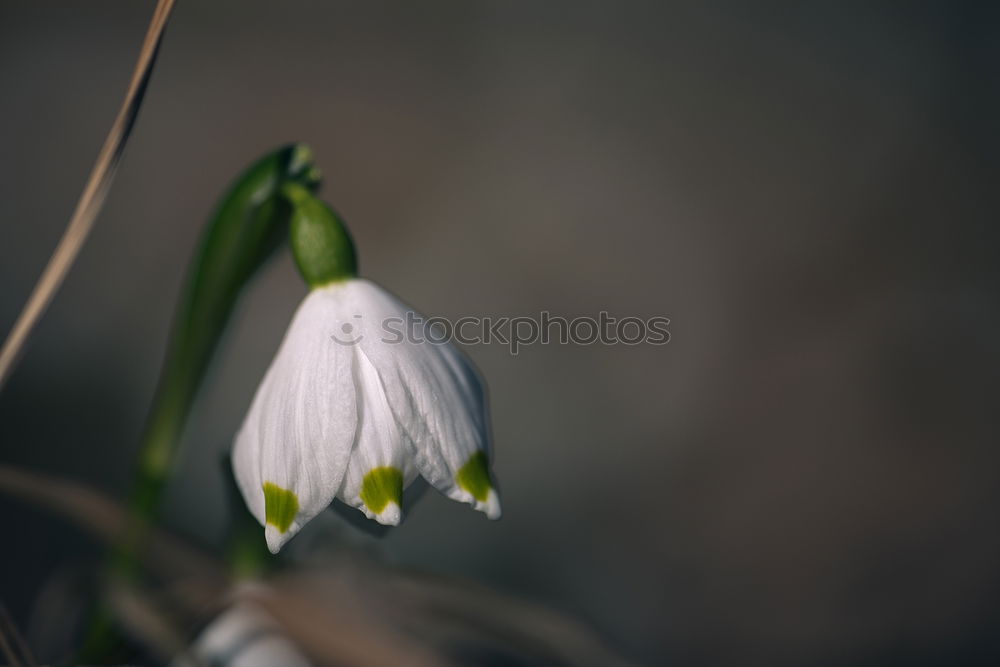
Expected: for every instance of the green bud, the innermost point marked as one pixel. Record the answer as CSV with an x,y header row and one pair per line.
x,y
323,249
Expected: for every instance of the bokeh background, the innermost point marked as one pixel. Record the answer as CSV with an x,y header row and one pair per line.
x,y
806,474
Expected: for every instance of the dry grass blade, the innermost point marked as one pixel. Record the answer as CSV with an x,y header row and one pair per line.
x,y
335,626
7,627
346,612
138,611
91,200
435,605
108,520
7,651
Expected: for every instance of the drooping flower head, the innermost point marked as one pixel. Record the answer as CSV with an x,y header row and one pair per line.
x,y
346,411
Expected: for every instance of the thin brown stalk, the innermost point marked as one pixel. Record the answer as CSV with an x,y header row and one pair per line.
x,y
104,518
91,200
7,623
7,651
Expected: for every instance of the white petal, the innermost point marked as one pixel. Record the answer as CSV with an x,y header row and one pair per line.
x,y
380,466
437,398
300,428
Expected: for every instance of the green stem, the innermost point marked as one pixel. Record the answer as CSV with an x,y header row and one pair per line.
x,y
250,223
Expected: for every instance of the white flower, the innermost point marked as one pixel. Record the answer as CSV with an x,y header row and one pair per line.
x,y
346,412
244,636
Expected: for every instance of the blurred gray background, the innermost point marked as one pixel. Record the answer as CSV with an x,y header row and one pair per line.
x,y
807,474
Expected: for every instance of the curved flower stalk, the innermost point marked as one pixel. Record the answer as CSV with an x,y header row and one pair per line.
x,y
346,411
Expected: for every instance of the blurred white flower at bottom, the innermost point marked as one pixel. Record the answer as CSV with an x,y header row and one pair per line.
x,y
244,636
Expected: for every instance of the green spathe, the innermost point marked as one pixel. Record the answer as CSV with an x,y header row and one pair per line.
x,y
246,228
382,486
323,249
248,225
280,506
474,476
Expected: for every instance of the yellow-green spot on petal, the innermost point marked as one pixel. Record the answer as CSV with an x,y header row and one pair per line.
x,y
280,506
382,486
474,476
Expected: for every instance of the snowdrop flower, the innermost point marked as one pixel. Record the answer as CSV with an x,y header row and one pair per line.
x,y
344,413
243,636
